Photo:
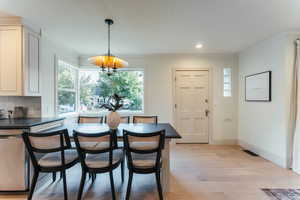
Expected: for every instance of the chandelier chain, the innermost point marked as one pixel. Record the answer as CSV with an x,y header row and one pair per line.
x,y
108,39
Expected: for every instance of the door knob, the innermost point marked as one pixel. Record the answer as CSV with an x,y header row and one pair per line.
x,y
206,112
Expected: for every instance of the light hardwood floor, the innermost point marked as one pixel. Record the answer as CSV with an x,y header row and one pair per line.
x,y
198,172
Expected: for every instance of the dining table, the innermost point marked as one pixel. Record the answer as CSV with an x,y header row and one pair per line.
x,y
142,128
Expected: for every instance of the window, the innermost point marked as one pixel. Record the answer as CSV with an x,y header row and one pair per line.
x,y
96,87
227,82
66,87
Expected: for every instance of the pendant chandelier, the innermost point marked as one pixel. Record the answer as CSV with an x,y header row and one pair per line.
x,y
108,62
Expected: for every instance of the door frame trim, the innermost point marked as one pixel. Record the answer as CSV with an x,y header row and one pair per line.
x,y
210,97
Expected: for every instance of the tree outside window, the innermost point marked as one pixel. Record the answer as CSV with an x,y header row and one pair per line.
x,y
66,88
96,87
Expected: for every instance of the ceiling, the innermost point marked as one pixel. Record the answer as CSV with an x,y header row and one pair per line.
x,y
158,26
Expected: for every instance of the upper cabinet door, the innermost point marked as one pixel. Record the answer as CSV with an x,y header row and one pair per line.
x,y
10,61
31,53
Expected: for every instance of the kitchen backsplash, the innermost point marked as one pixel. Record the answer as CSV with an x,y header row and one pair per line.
x,y
32,103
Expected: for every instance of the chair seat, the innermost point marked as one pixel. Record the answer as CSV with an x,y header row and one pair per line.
x,y
54,159
102,160
143,160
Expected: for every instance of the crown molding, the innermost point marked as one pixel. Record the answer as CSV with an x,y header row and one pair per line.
x,y
10,21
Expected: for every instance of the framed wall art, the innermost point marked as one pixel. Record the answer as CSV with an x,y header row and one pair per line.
x,y
258,87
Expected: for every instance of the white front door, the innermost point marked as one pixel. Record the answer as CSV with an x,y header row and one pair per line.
x,y
191,105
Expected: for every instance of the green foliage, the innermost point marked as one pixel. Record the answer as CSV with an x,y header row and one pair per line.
x,y
124,83
86,89
66,88
66,101
97,87
128,84
113,103
66,78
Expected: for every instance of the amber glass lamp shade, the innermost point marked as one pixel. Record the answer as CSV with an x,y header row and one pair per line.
x,y
108,61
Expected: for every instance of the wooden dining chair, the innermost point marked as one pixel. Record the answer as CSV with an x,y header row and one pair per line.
x,y
143,153
124,119
98,154
145,119
88,119
56,154
85,119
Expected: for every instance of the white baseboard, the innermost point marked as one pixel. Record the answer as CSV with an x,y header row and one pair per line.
x,y
214,142
280,161
224,142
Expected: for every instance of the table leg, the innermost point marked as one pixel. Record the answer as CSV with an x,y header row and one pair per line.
x,y
166,167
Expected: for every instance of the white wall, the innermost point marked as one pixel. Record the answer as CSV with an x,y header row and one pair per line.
x,y
158,88
160,98
50,52
263,126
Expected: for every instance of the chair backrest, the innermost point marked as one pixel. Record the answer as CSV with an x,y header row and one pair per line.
x,y
96,143
145,119
84,119
144,143
124,119
43,143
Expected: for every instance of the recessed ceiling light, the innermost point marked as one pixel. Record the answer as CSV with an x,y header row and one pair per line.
x,y
199,46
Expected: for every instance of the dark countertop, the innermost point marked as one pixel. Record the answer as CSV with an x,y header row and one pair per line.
x,y
26,123
140,128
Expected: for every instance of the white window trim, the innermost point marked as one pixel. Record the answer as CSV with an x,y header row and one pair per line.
x,y
69,114
122,112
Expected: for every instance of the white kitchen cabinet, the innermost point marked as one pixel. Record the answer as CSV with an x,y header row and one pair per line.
x,y
19,61
10,61
31,63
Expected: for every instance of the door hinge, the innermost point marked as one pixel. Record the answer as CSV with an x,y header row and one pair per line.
x,y
175,106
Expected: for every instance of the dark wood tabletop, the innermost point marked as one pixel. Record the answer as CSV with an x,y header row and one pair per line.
x,y
138,127
25,123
